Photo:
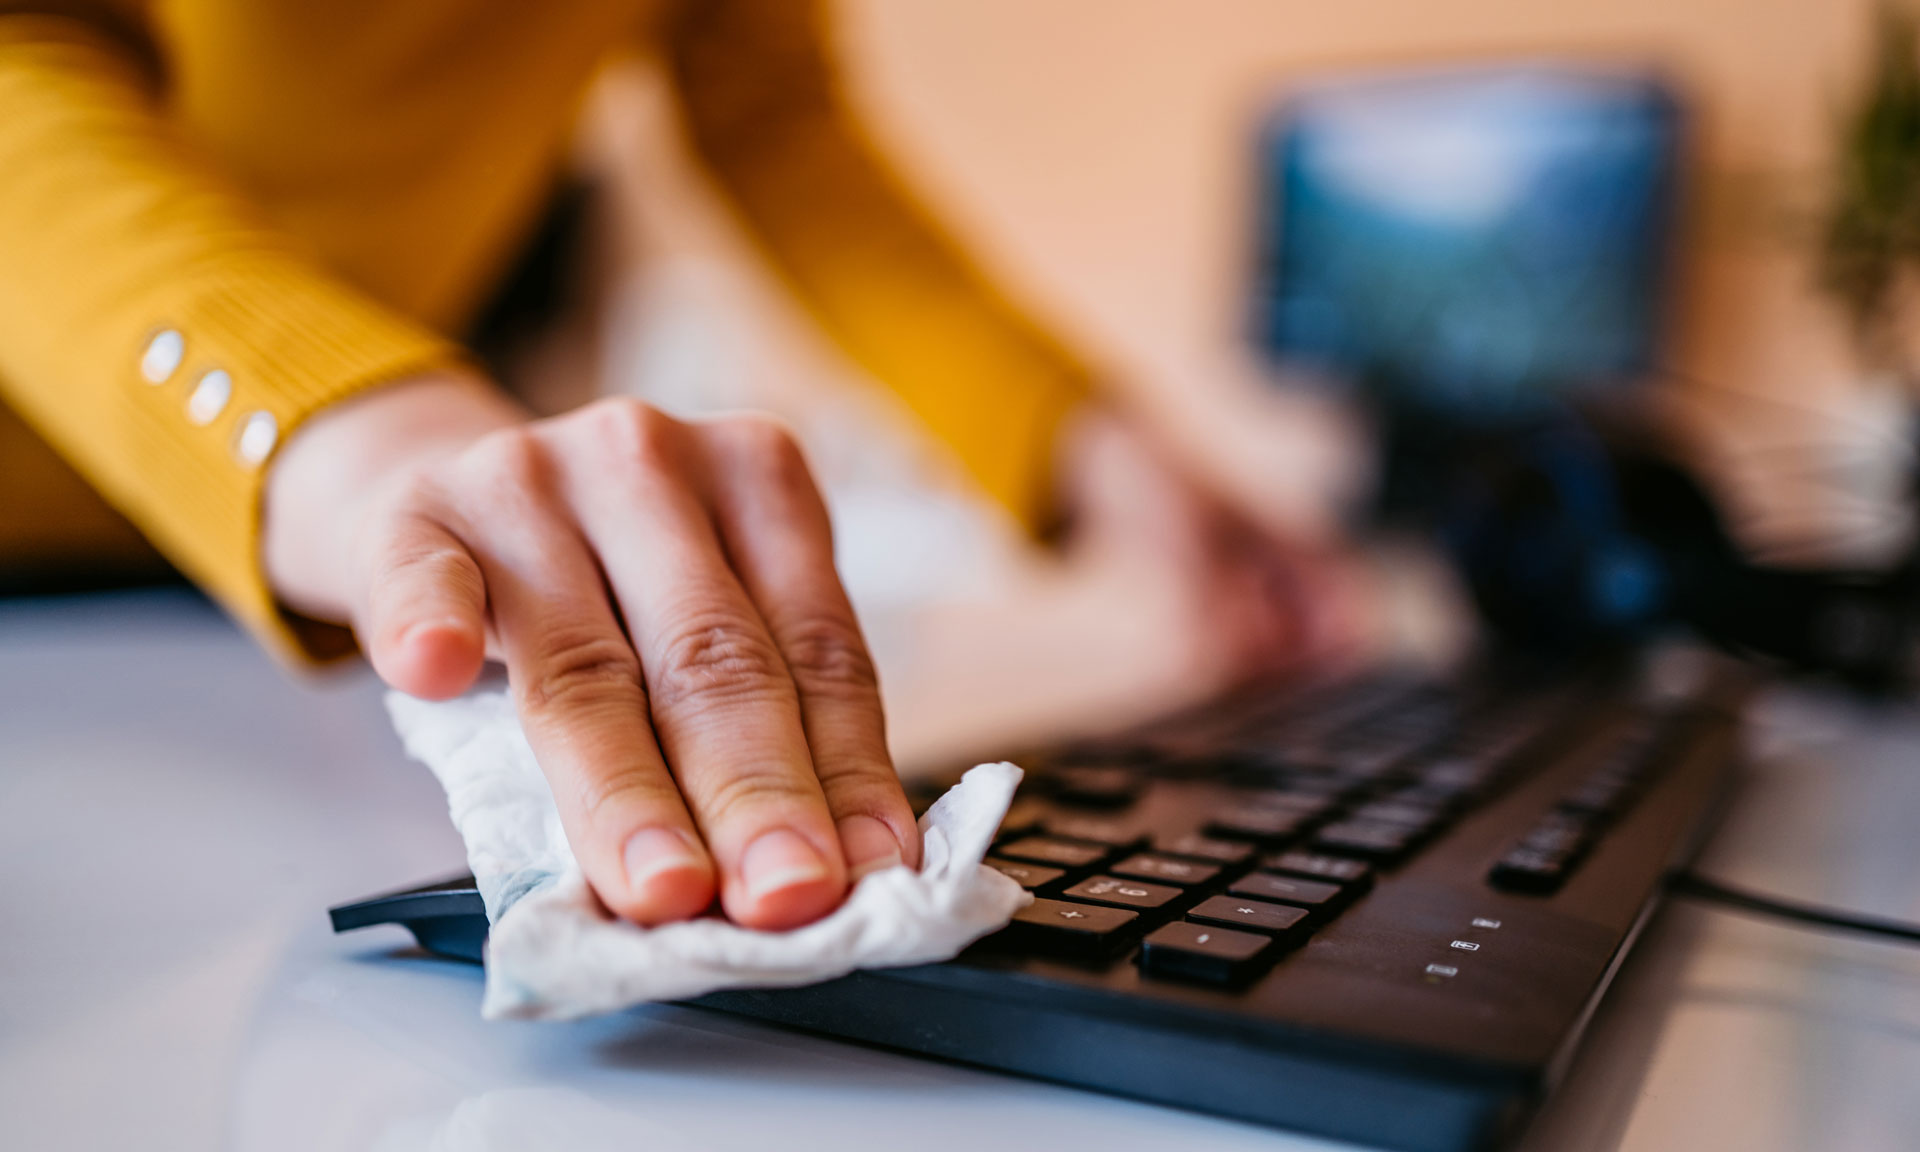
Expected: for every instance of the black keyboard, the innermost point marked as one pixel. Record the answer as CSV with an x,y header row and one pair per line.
x,y
1380,911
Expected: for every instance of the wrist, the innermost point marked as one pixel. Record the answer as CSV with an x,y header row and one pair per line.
x,y
329,474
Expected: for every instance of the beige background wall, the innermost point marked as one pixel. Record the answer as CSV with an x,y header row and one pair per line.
x,y
1098,150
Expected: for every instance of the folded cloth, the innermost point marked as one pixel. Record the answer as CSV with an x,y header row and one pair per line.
x,y
554,953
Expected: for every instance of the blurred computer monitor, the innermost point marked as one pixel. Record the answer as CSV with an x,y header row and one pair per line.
x,y
1469,241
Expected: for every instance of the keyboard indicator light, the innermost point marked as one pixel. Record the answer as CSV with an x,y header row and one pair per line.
x,y
1483,922
1442,970
1466,946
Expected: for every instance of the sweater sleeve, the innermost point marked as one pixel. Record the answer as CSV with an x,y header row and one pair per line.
x,y
767,115
153,328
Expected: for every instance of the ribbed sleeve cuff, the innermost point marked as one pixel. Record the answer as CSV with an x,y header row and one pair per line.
x,y
264,344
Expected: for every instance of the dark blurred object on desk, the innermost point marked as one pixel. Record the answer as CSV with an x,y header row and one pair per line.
x,y
1483,257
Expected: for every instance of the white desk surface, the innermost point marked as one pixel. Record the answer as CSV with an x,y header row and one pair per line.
x,y
175,816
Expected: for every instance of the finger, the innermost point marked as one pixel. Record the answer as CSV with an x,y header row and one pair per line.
x,y
424,620
776,529
725,709
577,684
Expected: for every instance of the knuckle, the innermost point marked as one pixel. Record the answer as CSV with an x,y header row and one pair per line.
x,y
741,794
582,671
419,491
632,432
827,656
860,786
716,657
513,458
765,446
432,565
601,795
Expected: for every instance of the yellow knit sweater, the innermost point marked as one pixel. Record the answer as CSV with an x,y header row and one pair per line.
x,y
313,195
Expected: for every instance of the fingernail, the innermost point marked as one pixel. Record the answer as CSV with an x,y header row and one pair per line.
x,y
780,859
870,845
652,851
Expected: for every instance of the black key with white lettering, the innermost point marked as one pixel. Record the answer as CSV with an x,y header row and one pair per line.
x,y
1366,839
1073,931
1530,870
1137,894
1166,869
1200,847
1418,816
1282,921
1059,853
1564,833
1602,798
1204,952
1311,805
1264,826
1343,870
1093,786
1094,829
1028,876
1316,896
1023,816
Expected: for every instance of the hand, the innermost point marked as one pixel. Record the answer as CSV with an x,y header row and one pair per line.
x,y
685,662
1227,599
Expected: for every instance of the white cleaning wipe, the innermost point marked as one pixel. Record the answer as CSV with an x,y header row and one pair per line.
x,y
554,953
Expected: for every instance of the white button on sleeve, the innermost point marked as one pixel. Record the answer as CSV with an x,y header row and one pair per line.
x,y
163,356
259,432
209,397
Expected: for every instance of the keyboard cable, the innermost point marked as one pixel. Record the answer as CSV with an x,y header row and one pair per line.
x,y
1699,887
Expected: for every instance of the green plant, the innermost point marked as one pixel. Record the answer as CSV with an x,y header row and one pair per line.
x,y
1872,231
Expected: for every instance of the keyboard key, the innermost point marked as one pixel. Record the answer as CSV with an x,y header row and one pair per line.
x,y
1307,787
1444,799
1315,896
1094,829
1123,893
1602,797
1203,952
1028,876
1075,931
1280,920
1458,773
1205,848
1528,870
1060,853
1559,832
1368,764
1093,787
1366,839
1311,805
1168,869
1268,826
1023,816
1336,869
1397,812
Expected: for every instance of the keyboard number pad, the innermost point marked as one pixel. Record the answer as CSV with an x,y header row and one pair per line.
x,y
1123,893
1287,923
1204,952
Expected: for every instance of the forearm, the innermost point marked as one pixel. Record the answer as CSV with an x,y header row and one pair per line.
x,y
112,231
771,119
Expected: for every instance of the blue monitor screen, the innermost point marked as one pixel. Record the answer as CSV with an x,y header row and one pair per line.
x,y
1471,240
